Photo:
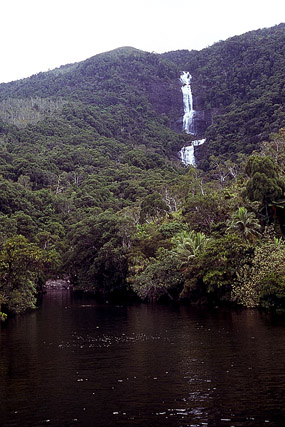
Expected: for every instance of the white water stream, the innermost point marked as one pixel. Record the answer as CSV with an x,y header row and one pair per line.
x,y
187,153
185,79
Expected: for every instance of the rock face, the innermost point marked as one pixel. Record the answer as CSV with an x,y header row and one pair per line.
x,y
202,120
167,100
58,284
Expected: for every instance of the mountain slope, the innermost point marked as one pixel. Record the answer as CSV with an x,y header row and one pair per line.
x,y
240,81
237,83
123,76
89,162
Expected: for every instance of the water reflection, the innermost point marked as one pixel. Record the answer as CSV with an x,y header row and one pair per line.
x,y
76,362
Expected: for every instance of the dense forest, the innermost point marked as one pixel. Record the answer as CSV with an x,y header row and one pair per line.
x,y
93,190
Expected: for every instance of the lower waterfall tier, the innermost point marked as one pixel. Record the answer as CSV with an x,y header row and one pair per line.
x,y
187,154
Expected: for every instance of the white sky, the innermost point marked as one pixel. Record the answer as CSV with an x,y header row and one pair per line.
x,y
37,35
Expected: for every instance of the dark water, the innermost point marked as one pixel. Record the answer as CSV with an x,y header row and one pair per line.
x,y
74,362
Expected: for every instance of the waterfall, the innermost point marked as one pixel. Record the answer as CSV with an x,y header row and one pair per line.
x,y
188,122
187,153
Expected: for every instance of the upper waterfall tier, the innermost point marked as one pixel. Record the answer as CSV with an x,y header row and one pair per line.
x,y
188,122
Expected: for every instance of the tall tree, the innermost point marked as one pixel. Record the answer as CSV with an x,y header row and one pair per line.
x,y
21,264
264,184
245,224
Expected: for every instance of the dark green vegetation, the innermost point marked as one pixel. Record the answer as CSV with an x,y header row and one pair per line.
x,y
91,186
240,82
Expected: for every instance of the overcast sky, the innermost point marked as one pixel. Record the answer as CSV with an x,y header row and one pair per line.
x,y
37,35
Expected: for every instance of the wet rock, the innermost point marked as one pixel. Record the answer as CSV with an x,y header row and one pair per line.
x,y
58,284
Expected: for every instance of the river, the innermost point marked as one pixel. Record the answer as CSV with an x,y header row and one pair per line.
x,y
76,362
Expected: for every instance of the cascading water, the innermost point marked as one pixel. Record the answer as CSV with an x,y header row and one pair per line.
x,y
187,153
185,79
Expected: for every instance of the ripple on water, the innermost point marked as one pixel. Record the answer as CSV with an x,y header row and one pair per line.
x,y
103,340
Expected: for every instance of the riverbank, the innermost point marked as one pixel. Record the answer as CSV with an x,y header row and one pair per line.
x,y
57,284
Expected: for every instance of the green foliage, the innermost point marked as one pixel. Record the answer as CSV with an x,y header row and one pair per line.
x,y
245,224
152,207
264,184
211,274
170,228
207,211
97,255
160,277
189,245
262,188
21,264
261,282
91,180
275,148
3,316
242,82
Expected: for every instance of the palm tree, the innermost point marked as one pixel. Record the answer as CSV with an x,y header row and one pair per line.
x,y
245,224
189,244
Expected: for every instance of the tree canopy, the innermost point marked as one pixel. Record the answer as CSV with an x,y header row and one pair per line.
x,y
91,184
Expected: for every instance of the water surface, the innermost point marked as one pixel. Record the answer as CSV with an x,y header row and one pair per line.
x,y
76,362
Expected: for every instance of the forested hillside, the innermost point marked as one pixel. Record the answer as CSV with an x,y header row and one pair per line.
x,y
240,81
92,187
